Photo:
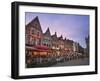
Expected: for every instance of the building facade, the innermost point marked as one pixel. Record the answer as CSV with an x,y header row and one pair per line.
x,y
33,32
69,45
46,41
61,42
55,43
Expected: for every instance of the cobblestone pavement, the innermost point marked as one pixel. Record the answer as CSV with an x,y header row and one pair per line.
x,y
74,62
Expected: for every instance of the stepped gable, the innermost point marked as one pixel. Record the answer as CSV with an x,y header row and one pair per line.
x,y
65,39
54,36
47,33
35,23
60,38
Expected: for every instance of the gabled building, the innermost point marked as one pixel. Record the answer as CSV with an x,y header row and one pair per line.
x,y
65,44
69,45
33,32
61,42
46,41
55,42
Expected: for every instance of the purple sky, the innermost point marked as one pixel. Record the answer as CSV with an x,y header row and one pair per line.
x,y
74,27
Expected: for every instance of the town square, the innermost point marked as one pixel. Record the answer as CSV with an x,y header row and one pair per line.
x,y
53,49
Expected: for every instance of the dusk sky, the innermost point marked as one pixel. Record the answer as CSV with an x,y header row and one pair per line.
x,y
74,27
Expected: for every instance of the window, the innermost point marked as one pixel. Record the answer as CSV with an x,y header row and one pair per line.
x,y
34,42
32,31
39,41
37,33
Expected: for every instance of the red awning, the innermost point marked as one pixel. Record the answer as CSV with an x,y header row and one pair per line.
x,y
42,47
39,48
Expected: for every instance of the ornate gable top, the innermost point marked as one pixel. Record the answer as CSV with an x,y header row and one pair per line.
x,y
61,37
47,33
55,35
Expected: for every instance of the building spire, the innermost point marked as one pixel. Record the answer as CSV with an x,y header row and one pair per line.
x,y
48,32
55,33
65,38
61,36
